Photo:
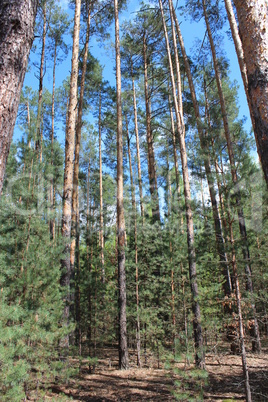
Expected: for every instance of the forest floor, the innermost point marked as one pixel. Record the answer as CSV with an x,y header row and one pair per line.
x,y
150,383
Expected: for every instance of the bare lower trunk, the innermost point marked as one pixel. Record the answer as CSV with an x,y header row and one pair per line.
x,y
199,357
241,219
68,170
134,212
253,29
122,297
16,37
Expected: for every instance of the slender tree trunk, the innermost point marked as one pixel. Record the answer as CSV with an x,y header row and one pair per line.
x,y
134,212
101,199
122,297
68,170
38,136
151,157
137,140
253,28
176,166
199,357
239,52
89,265
204,146
241,219
52,204
16,37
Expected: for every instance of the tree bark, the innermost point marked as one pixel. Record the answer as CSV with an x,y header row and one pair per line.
x,y
17,19
137,140
240,212
38,136
68,170
101,198
122,296
52,203
199,357
134,212
150,145
253,28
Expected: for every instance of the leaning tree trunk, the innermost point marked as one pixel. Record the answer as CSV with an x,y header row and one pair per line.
x,y
240,212
199,357
16,37
68,170
122,296
253,29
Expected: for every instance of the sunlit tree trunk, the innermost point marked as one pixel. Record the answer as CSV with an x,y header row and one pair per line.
x,y
134,212
68,169
204,146
150,145
240,212
52,204
17,19
253,29
122,296
101,199
38,136
137,140
199,357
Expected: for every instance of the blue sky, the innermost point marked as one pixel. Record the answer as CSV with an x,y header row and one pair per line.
x,y
190,32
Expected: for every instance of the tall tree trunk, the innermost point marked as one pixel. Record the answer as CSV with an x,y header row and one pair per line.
x,y
134,212
74,251
204,146
38,136
68,170
137,140
52,204
174,146
16,37
199,357
239,52
253,29
101,198
240,212
122,296
150,145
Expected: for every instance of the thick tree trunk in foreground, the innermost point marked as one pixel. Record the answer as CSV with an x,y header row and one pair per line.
x,y
16,37
122,296
52,190
240,212
253,29
68,169
199,357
